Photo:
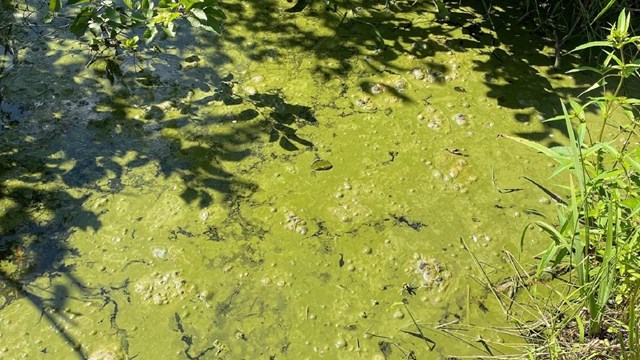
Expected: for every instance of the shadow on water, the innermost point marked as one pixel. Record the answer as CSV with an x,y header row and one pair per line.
x,y
49,169
502,41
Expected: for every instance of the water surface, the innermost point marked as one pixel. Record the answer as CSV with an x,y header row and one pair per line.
x,y
296,188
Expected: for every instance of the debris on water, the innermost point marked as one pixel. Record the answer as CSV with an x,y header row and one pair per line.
x,y
162,289
250,90
430,272
296,224
159,253
460,119
417,73
192,58
480,237
456,152
435,123
403,220
104,355
363,102
376,89
320,164
115,185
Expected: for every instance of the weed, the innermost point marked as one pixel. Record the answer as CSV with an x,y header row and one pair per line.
x,y
597,231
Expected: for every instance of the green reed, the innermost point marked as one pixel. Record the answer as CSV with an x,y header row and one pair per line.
x,y
598,230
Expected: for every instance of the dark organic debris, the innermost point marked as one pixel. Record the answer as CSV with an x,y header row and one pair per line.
x,y
385,348
173,234
533,212
460,89
409,289
456,152
320,164
188,341
546,191
299,6
212,234
415,225
483,307
393,155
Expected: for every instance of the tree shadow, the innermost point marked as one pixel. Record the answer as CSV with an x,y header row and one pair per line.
x,y
98,135
508,51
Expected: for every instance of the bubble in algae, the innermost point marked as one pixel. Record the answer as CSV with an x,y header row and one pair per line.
x,y
417,73
429,271
163,288
104,355
460,119
159,253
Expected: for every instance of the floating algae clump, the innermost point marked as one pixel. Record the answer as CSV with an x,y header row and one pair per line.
x,y
163,288
430,272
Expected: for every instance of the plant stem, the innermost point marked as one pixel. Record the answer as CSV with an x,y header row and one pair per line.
x,y
615,95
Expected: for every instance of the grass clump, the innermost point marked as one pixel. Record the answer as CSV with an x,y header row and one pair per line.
x,y
597,235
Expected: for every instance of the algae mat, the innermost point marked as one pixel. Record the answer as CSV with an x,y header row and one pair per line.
x,y
294,188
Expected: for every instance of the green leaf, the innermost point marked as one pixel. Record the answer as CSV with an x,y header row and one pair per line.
x,y
128,3
595,85
603,11
607,175
80,23
113,15
533,145
199,14
623,23
73,2
94,27
113,71
54,5
592,44
169,28
150,34
215,12
586,68
551,252
633,162
206,18
611,55
577,109
48,18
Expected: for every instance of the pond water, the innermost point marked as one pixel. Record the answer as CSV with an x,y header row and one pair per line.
x,y
291,189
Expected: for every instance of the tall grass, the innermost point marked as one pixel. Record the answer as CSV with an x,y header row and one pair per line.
x,y
597,232
567,21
